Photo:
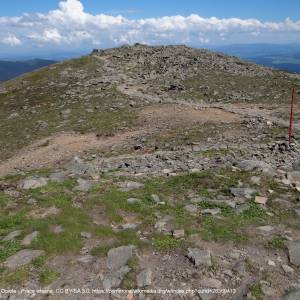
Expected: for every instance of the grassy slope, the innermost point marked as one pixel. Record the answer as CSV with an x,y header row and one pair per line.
x,y
42,96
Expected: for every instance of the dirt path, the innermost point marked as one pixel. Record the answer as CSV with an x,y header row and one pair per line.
x,y
59,148
63,146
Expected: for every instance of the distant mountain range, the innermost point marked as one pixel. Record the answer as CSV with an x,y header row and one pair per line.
x,y
279,56
12,69
285,57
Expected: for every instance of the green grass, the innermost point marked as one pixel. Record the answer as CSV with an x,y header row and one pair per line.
x,y
13,278
211,153
73,220
265,90
4,200
277,242
166,243
33,100
129,282
231,227
11,222
39,261
8,248
119,238
48,276
219,230
256,291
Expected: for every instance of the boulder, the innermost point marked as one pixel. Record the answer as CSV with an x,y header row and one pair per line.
x,y
199,257
33,183
12,235
294,253
243,192
255,165
144,278
115,279
28,239
292,295
118,257
22,258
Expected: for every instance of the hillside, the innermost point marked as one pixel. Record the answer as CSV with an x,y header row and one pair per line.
x,y
150,167
12,69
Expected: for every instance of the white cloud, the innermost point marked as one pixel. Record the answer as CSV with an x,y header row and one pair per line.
x,y
70,25
11,40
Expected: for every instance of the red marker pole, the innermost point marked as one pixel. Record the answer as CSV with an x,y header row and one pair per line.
x,y
292,114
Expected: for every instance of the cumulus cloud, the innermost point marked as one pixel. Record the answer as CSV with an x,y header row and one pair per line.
x,y
69,25
11,40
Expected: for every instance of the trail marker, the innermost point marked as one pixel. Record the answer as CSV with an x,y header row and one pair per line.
x,y
292,114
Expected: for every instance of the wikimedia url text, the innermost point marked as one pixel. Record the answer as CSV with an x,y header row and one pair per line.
x,y
83,291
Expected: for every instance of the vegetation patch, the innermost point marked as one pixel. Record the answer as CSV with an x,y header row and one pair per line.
x,y
166,243
9,248
277,242
48,276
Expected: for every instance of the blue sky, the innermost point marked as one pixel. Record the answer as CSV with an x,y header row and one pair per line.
x,y
32,26
267,10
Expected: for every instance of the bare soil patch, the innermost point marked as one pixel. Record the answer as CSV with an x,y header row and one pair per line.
x,y
60,147
171,114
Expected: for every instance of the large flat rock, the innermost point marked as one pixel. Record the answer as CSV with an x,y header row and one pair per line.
x,y
22,258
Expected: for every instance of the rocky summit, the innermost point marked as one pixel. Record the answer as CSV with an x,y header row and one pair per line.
x,y
145,167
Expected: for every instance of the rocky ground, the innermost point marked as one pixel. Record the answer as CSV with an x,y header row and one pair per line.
x,y
150,168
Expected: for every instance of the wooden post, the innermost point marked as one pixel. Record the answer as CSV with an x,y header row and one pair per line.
x,y
292,114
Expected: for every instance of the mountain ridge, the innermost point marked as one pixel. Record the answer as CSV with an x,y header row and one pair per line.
x,y
163,166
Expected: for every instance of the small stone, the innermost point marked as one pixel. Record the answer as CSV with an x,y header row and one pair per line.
x,y
239,267
133,200
130,226
155,198
115,279
266,228
22,258
210,283
178,233
43,213
211,211
292,295
261,200
199,257
58,177
118,257
271,263
130,185
33,183
243,192
12,235
294,253
251,165
85,235
242,208
294,177
31,201
28,239
191,208
228,273
160,225
287,269
267,289
144,278
281,203
86,259
84,185
255,180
